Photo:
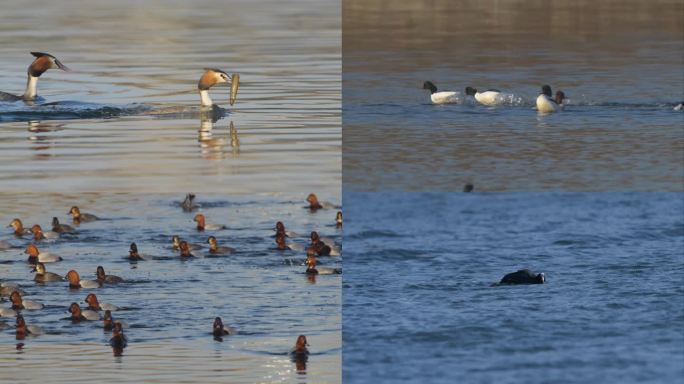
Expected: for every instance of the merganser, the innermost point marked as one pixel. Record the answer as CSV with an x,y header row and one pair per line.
x,y
443,97
489,97
219,330
213,76
546,103
42,63
42,275
523,276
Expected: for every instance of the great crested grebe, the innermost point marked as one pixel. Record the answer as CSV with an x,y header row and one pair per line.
x,y
213,76
42,63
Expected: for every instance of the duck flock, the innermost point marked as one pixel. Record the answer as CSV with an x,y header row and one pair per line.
x,y
36,246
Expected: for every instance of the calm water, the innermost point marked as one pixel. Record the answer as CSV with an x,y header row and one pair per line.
x,y
125,141
619,63
169,304
418,305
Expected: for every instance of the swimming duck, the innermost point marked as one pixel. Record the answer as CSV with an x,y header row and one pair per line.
x,y
175,240
282,245
523,276
215,249
19,303
7,312
77,314
118,341
443,97
323,246
201,224
36,256
42,63
489,97
312,270
38,233
338,219
280,228
95,305
19,229
43,276
468,187
76,282
219,330
213,76
79,217
6,289
185,249
188,204
679,107
104,278
4,245
299,350
133,253
61,228
315,204
546,103
108,321
23,329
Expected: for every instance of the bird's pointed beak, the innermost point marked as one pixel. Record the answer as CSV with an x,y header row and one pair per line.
x,y
62,66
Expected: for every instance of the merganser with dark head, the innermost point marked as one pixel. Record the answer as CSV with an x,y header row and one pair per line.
x,y
42,63
211,77
489,97
443,97
546,103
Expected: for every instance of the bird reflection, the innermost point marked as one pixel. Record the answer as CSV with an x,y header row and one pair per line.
x,y
215,147
43,142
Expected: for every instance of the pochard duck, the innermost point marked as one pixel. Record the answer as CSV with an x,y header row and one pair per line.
x,y
95,305
19,229
315,204
118,341
22,329
323,246
188,204
81,217
43,276
176,240
215,249
312,270
133,253
185,250
19,303
300,350
440,97
202,225
76,282
523,276
280,228
546,103
213,76
38,233
489,97
282,245
338,219
7,312
41,63
78,314
36,256
102,277
61,228
108,321
6,289
219,330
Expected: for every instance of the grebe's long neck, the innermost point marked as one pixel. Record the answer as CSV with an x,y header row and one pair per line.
x,y
204,96
31,91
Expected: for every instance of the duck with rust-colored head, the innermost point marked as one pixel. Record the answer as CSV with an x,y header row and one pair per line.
x,y
75,281
95,305
36,256
38,233
300,350
202,224
19,303
81,217
78,315
18,227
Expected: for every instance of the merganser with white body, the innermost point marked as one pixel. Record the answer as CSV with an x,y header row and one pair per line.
x,y
42,63
213,76
443,97
489,97
546,103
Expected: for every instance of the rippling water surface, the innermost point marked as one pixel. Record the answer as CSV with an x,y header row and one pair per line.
x,y
122,137
418,305
619,63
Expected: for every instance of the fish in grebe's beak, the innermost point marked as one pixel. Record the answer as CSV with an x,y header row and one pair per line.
x,y
234,84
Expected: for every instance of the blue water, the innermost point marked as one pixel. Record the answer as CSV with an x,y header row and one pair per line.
x,y
418,305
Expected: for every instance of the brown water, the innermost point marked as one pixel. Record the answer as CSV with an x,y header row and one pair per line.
x,y
620,64
125,162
